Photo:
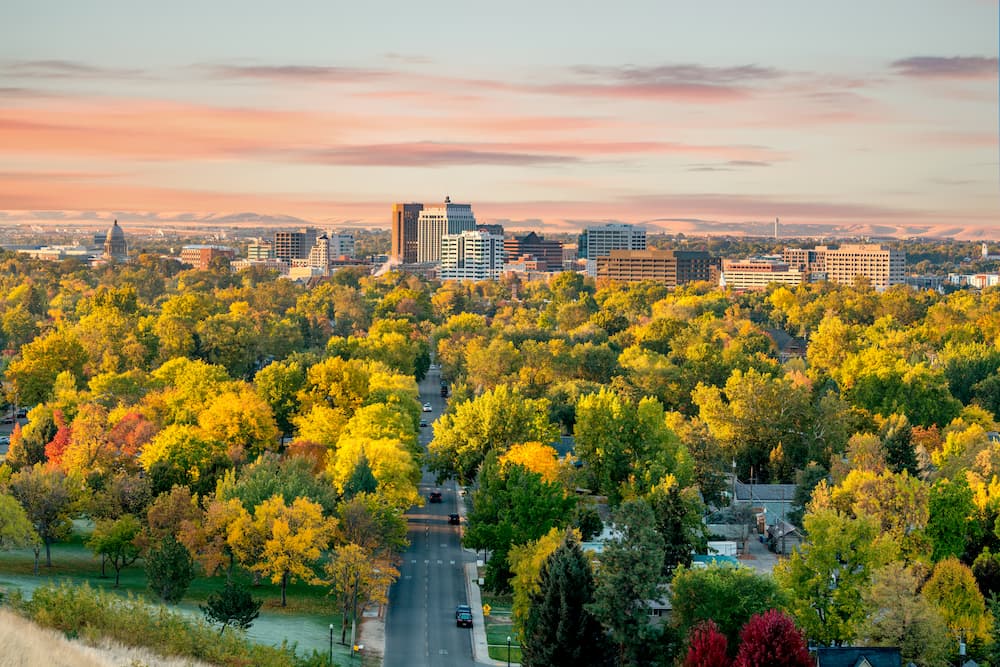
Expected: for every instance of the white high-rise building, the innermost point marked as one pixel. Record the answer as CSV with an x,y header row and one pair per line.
x,y
471,255
319,254
600,240
880,264
436,221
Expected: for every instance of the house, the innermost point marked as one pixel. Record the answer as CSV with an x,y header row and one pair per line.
x,y
777,500
858,656
783,537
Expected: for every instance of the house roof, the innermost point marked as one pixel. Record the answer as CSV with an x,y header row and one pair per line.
x,y
771,492
858,656
782,529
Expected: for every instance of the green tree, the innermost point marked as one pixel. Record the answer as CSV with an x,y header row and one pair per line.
x,y
115,540
899,616
559,628
724,594
952,590
493,421
233,605
47,497
169,570
279,384
41,360
512,506
827,575
950,523
679,522
630,574
16,531
897,441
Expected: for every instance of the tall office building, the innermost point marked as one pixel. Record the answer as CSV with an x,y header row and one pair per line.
x,y
671,267
319,254
294,245
260,250
404,232
881,265
436,221
756,273
809,261
471,255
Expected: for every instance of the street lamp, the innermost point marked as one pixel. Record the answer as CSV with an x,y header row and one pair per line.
x,y
508,650
331,645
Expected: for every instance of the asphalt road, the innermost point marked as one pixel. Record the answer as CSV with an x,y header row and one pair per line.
x,y
420,622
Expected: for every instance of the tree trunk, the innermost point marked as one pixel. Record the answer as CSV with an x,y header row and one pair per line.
x,y
118,572
343,629
104,559
38,553
48,554
284,585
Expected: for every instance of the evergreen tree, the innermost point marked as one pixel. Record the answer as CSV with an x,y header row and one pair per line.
x,y
897,440
678,520
169,570
630,574
560,630
233,605
362,479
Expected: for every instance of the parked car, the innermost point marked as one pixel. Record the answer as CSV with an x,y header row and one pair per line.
x,y
454,519
427,407
435,497
464,620
462,609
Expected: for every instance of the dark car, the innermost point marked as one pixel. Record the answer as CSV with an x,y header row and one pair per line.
x,y
462,609
464,620
423,423
435,497
453,519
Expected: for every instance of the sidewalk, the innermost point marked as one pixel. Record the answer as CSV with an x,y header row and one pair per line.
x,y
480,648
372,633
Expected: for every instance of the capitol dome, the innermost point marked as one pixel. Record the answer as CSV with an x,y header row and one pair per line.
x,y
115,246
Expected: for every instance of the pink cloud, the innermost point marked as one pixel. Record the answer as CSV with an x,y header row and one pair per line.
x,y
956,67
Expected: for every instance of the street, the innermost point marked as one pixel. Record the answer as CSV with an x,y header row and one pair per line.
x,y
420,622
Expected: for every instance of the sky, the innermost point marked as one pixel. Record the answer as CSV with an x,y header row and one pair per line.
x,y
547,114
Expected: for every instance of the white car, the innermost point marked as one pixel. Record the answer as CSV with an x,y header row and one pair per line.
x,y
427,407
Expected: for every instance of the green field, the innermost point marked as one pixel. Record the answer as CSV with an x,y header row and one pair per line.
x,y
304,622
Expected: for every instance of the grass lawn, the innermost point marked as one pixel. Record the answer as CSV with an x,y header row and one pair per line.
x,y
305,621
498,627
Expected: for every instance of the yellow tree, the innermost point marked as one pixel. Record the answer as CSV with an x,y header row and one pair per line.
x,y
89,449
207,536
953,591
282,542
321,424
392,464
356,578
526,562
536,457
242,420
186,447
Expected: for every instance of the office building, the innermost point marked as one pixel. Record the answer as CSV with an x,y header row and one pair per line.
x,y
756,273
434,222
404,232
549,253
341,244
319,254
260,250
805,260
881,265
201,256
600,240
671,267
294,245
115,246
471,255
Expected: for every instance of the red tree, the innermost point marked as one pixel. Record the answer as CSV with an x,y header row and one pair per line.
x,y
772,640
706,647
130,434
54,449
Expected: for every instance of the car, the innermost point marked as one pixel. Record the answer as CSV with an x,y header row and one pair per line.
x,y
4,440
435,497
464,620
454,519
427,407
22,413
444,391
423,423
7,419
462,609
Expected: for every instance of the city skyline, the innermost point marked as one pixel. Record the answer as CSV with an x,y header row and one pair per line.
x,y
546,117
